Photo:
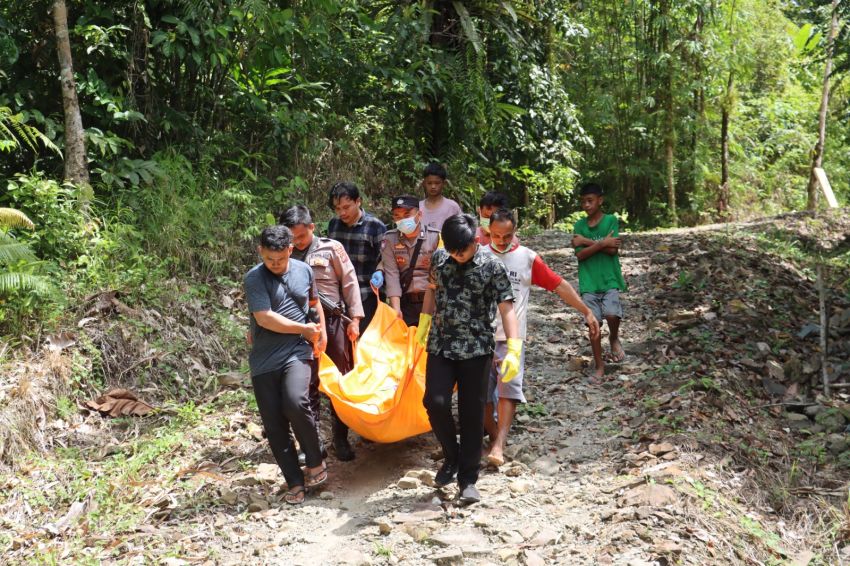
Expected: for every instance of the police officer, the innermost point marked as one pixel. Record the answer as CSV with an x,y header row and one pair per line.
x,y
339,292
406,256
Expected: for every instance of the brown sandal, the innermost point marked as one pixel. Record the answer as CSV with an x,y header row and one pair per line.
x,y
316,479
296,495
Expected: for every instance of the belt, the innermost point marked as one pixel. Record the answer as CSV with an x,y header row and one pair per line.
x,y
417,297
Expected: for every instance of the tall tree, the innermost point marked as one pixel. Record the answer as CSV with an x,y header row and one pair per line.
x,y
668,128
76,166
726,109
817,155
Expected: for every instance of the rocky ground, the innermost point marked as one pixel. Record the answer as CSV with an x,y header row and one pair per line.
x,y
708,445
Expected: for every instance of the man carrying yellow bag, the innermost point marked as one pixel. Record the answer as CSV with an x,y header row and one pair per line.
x,y
466,285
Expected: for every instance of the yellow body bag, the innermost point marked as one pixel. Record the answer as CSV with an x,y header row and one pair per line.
x,y
381,398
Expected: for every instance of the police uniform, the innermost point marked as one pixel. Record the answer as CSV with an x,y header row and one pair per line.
x,y
397,254
335,279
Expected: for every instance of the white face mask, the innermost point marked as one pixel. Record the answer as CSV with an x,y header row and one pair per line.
x,y
484,223
502,251
406,226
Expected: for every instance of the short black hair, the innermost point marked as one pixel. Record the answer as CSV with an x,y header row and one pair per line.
x,y
435,169
343,189
494,198
298,215
591,189
502,215
276,238
459,232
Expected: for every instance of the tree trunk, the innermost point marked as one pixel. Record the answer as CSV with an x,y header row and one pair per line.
x,y
671,173
439,39
723,193
669,132
817,156
76,166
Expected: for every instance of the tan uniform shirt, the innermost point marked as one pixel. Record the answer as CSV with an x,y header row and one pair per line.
x,y
333,271
397,253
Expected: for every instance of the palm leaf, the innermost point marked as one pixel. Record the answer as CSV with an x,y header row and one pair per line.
x,y
14,281
11,218
468,25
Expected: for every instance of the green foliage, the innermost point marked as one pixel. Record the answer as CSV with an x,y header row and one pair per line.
x,y
21,284
197,223
533,409
205,119
63,228
14,132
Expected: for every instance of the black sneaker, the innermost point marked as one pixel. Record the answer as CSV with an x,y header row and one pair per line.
x,y
469,494
343,450
446,475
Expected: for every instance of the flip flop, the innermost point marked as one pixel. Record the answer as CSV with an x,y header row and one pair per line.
x,y
616,357
316,479
296,495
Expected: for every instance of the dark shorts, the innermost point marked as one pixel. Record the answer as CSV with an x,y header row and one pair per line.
x,y
496,388
604,304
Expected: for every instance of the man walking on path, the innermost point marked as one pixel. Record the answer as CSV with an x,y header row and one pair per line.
x,y
280,291
407,257
339,293
466,285
436,208
600,278
525,268
362,235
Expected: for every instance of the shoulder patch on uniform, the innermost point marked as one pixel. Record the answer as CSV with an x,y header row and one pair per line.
x,y
339,250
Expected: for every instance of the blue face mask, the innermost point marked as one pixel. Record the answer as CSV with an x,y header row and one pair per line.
x,y
406,225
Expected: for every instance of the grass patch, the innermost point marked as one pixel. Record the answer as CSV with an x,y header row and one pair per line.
x,y
117,487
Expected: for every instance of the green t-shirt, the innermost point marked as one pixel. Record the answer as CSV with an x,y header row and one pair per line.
x,y
600,272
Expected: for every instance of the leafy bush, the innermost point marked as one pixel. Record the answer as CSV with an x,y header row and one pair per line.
x,y
198,223
21,284
62,226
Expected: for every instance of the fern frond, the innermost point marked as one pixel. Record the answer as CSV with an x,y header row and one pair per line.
x,y
13,129
11,218
23,281
13,252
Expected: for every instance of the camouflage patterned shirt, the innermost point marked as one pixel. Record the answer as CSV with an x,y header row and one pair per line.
x,y
467,296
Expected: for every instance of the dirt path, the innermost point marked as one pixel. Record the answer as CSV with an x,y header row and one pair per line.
x,y
588,481
565,497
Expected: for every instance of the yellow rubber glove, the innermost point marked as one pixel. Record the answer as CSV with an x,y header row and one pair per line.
x,y
423,328
510,365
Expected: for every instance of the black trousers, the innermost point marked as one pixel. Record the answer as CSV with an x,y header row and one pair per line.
x,y
411,307
471,375
284,402
339,351
370,306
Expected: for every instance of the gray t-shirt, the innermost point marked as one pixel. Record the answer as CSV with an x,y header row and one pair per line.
x,y
436,217
288,295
